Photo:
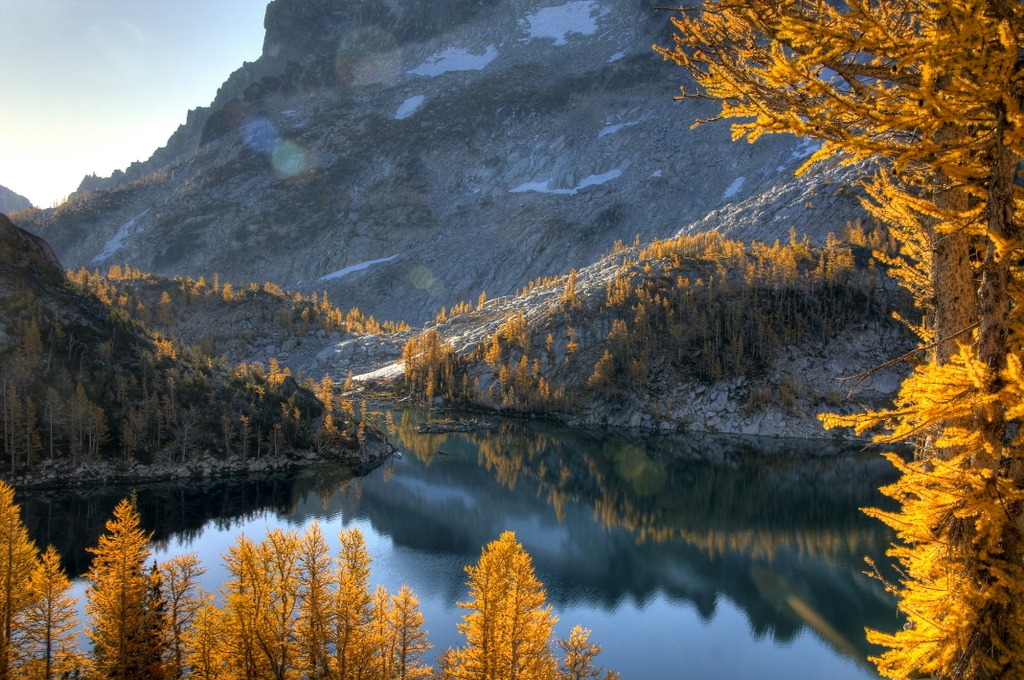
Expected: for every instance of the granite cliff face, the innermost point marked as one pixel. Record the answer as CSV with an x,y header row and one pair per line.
x,y
408,154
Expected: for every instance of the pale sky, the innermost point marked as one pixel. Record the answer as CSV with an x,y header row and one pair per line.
x,y
89,86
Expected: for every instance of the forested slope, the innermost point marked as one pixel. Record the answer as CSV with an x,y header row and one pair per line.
x,y
85,387
697,332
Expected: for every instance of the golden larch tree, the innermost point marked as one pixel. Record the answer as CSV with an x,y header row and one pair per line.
x,y
205,640
241,622
184,597
314,624
280,558
578,654
353,649
17,563
50,648
261,606
409,641
508,625
380,636
931,94
119,600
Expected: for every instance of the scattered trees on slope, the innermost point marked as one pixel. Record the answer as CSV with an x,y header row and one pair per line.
x,y
164,304
700,306
932,93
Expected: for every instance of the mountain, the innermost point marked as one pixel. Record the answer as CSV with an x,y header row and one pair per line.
x,y
87,392
407,155
12,202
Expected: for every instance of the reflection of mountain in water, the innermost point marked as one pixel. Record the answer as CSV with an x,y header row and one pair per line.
x,y
765,524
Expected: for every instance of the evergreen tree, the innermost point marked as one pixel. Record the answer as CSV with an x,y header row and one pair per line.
x,y
152,639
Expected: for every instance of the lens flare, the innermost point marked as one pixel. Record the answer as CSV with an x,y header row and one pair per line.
x,y
289,159
370,56
260,135
422,278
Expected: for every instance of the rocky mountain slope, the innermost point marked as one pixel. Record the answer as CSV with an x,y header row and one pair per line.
x,y
406,155
695,333
10,201
252,324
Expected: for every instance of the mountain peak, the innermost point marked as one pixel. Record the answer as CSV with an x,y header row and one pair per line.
x,y
405,156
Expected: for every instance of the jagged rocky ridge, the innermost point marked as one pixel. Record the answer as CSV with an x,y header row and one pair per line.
x,y
410,154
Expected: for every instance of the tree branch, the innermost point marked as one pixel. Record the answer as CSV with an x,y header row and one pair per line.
x,y
861,377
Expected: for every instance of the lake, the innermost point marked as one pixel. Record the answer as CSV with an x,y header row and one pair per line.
x,y
692,556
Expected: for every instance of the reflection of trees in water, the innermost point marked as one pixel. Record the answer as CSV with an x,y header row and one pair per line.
x,y
72,520
720,493
773,525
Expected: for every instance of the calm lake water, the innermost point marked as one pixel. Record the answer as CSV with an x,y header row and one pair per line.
x,y
704,557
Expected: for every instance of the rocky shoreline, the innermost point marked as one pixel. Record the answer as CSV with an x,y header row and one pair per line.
x,y
801,384
374,452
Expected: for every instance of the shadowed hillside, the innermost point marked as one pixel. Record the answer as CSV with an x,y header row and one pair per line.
x,y
85,390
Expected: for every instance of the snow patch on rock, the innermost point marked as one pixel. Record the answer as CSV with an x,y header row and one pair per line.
x,y
117,240
612,129
806,147
355,268
733,189
558,23
544,186
455,59
409,107
389,372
